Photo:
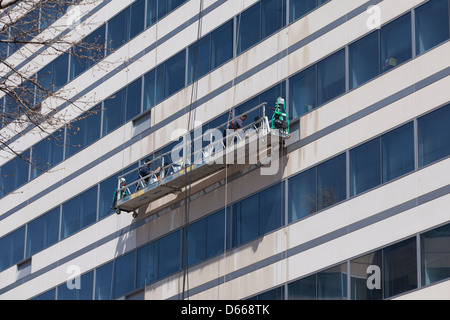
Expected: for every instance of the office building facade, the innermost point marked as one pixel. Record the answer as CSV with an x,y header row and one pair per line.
x,y
357,208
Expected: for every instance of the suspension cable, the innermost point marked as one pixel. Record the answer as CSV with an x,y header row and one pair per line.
x,y
188,180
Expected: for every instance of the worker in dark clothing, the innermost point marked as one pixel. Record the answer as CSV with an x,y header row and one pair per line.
x,y
238,123
145,172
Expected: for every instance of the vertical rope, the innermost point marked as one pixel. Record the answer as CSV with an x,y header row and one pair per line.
x,y
226,166
155,64
188,180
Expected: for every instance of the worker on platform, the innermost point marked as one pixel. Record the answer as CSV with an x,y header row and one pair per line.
x,y
148,175
238,123
121,192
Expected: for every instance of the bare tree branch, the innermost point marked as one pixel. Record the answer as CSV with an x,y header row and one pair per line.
x,y
30,96
7,3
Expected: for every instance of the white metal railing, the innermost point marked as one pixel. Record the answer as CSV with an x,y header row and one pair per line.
x,y
199,156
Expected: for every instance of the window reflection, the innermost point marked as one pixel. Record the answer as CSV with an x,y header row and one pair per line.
x,y
432,20
435,255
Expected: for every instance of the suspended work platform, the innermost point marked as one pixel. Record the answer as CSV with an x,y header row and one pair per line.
x,y
215,149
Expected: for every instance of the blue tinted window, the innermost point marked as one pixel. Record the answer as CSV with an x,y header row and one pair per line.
x,y
332,283
22,168
17,246
124,269
152,12
174,73
162,8
103,283
88,207
196,242
273,16
64,293
83,293
260,21
199,58
15,173
39,158
60,69
87,287
8,175
248,25
364,60
222,45
432,24
52,77
302,195
133,107
173,4
169,254
51,227
398,152
83,131
331,182
49,295
271,206
42,232
215,233
434,137
47,153
118,30
434,255
396,42
34,239
70,217
399,268
274,294
51,12
137,13
365,167
245,220
157,9
303,289
206,237
11,109
107,189
113,111
298,8
3,46
302,92
149,90
4,253
331,77
24,30
55,149
12,248
79,212
44,81
359,277
26,93
88,52
159,83
147,264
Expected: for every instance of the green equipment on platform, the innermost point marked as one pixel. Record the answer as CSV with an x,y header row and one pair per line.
x,y
280,120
